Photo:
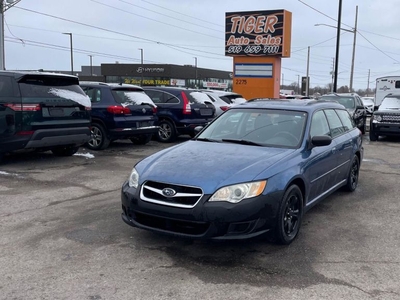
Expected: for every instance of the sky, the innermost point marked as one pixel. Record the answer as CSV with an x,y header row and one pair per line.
x,y
177,31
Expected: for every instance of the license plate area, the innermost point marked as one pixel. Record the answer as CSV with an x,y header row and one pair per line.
x,y
143,124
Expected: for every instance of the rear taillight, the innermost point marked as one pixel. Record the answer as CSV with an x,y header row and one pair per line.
x,y
187,109
119,110
224,108
25,132
88,108
154,109
23,107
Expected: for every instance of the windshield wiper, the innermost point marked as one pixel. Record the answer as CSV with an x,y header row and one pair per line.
x,y
208,140
242,142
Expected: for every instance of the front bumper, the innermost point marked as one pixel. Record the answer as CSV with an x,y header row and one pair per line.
x,y
381,128
206,220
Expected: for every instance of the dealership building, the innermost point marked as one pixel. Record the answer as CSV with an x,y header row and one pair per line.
x,y
159,75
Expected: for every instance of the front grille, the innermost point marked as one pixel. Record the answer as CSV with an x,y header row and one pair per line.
x,y
177,226
391,118
185,196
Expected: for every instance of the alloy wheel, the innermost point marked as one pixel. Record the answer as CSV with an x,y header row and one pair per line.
x,y
291,215
96,137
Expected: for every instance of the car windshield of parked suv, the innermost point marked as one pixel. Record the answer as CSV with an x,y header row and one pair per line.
x,y
259,127
36,86
198,97
347,102
390,103
131,97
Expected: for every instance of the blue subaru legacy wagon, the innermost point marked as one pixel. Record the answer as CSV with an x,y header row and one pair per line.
x,y
257,168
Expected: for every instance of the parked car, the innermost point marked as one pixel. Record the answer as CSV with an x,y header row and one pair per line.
x,y
179,111
42,111
228,97
386,120
219,104
368,104
120,111
354,105
256,168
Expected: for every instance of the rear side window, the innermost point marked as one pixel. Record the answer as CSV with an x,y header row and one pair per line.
x,y
198,97
93,93
334,123
127,97
39,86
346,119
6,87
397,84
319,125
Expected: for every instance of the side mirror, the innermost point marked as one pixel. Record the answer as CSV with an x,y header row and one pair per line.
x,y
360,107
321,140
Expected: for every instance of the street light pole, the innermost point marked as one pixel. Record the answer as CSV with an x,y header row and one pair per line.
x,y
91,65
141,63
195,71
72,51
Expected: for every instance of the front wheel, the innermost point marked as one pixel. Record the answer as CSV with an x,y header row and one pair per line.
x,y
289,215
372,135
65,150
352,178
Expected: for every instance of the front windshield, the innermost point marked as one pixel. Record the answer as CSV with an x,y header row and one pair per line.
x,y
390,103
265,127
347,102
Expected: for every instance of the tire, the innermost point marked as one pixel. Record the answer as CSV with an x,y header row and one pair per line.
x,y
352,178
98,139
372,135
65,150
167,132
290,214
363,129
141,139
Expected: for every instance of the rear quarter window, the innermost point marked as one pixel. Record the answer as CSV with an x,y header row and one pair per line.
x,y
7,87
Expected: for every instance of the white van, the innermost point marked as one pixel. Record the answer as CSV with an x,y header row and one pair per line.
x,y
384,86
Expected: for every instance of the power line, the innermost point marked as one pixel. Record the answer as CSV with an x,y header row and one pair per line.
x,y
168,24
378,48
115,32
182,14
165,15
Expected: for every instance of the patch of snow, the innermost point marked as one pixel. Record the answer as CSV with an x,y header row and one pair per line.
x,y
200,97
9,174
137,98
4,173
71,95
87,155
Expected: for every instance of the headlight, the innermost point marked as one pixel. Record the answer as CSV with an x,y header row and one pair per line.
x,y
238,192
134,179
378,118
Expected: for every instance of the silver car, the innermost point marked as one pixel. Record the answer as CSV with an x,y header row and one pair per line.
x,y
368,104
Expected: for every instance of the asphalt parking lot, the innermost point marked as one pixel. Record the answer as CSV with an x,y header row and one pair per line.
x,y
62,237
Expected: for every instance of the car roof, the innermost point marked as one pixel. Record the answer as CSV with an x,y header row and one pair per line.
x,y
307,105
341,94
19,74
111,85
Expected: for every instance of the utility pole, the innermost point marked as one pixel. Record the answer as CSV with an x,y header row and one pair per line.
x,y
354,51
3,8
308,72
337,46
298,85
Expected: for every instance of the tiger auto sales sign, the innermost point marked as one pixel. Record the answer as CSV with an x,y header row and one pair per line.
x,y
258,33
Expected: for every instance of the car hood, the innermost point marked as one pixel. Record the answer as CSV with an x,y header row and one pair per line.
x,y
209,165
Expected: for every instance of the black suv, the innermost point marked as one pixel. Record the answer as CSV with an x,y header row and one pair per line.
x,y
119,111
42,111
180,110
353,104
386,120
